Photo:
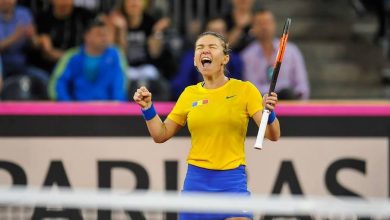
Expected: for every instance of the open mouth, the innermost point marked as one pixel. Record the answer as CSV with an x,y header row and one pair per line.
x,y
205,60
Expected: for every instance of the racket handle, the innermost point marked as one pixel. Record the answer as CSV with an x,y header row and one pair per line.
x,y
262,128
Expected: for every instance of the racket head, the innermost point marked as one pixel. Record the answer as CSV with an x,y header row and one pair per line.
x,y
287,25
279,57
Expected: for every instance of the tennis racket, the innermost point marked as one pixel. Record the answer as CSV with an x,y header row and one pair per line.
x,y
275,74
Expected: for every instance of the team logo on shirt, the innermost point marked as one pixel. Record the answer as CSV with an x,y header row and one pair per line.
x,y
200,102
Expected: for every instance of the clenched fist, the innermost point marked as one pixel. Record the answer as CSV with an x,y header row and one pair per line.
x,y
143,97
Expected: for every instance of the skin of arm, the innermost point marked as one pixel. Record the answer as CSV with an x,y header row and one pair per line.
x,y
154,46
120,38
48,50
119,25
241,21
20,33
155,41
160,131
4,44
235,35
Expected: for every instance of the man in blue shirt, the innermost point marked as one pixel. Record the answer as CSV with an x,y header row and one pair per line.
x,y
93,71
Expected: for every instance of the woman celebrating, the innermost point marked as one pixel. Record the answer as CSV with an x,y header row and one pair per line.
x,y
217,112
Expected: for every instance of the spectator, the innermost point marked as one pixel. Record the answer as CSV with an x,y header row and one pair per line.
x,y
381,10
188,75
88,4
35,6
1,76
238,24
193,29
140,36
93,71
17,34
260,56
60,29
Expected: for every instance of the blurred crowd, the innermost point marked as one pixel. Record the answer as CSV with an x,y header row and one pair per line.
x,y
62,50
380,8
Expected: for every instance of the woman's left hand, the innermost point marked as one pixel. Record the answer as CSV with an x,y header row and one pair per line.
x,y
270,102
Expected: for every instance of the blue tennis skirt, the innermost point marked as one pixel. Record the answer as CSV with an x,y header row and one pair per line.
x,y
215,181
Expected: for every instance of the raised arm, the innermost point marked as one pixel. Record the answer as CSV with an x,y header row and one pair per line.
x,y
273,129
119,27
155,41
48,50
160,131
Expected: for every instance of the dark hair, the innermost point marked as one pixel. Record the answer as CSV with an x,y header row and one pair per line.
x,y
225,44
96,22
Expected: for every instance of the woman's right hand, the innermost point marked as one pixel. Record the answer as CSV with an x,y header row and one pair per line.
x,y
143,97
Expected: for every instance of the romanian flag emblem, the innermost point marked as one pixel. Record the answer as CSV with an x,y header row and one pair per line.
x,y
200,102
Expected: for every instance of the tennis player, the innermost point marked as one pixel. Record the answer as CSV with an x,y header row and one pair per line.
x,y
216,112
